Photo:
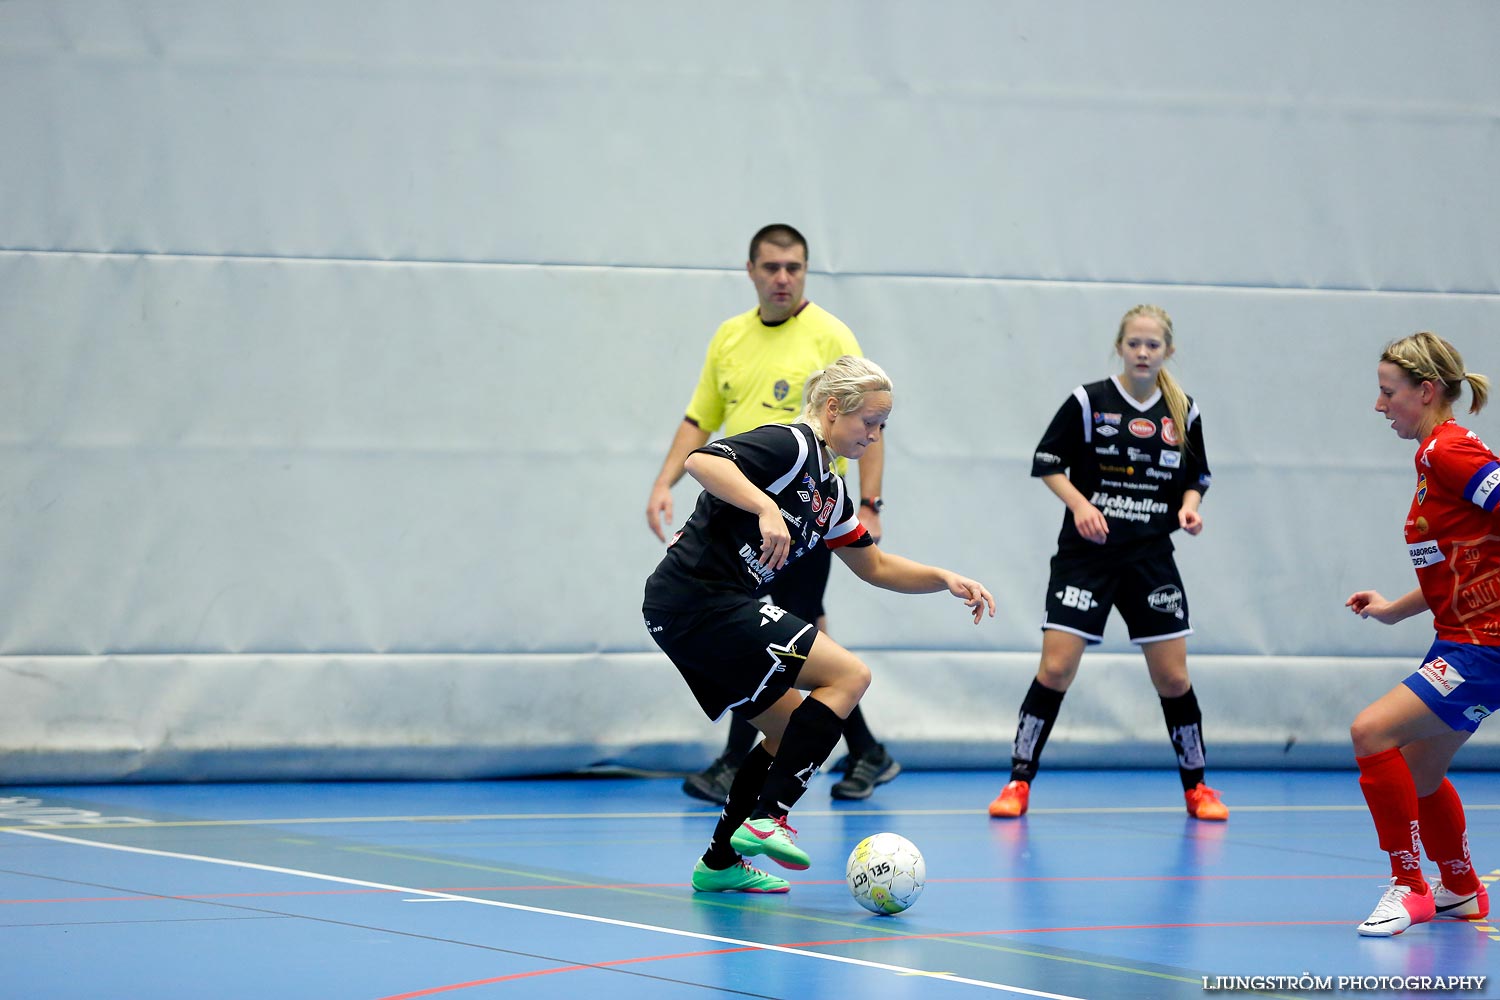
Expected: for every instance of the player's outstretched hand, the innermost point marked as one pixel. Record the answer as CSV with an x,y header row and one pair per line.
x,y
973,594
1370,604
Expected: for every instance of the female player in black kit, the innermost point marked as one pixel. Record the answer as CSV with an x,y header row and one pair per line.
x,y
1126,456
770,495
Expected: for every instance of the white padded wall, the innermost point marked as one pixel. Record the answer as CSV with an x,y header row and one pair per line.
x,y
357,331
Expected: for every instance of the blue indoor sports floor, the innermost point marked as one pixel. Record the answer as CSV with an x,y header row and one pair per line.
x,y
578,888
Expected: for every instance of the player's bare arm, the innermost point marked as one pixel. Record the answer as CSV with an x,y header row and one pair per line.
x,y
689,436
1089,520
871,474
1371,604
1188,518
721,477
904,576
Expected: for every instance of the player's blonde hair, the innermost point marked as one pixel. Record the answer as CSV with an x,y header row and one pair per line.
x,y
1176,399
848,380
1426,357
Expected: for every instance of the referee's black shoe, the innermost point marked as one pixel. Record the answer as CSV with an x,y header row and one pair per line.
x,y
712,783
863,772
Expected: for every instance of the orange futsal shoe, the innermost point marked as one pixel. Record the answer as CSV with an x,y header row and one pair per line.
x,y
1012,800
1203,803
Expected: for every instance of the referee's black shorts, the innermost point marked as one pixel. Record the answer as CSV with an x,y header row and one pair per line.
x,y
799,588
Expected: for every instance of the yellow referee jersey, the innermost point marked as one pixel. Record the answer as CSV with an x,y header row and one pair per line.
x,y
754,373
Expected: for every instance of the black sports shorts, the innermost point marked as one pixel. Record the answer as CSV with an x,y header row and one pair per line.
x,y
743,657
1147,590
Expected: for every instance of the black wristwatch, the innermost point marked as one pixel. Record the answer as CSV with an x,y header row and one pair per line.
x,y
874,503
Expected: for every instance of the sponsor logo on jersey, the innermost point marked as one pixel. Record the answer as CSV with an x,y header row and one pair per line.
x,y
1111,450
1158,474
1170,459
1048,458
817,498
804,496
1167,599
674,539
1477,596
1138,455
1427,454
821,508
1421,488
1117,468
1142,428
791,519
1106,418
752,563
1104,430
1169,431
780,389
1478,713
1127,508
725,450
1442,675
1425,554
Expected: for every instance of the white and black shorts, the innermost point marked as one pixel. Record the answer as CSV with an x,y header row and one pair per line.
x,y
1147,590
741,658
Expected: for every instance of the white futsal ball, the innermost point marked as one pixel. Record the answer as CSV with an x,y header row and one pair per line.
x,y
886,873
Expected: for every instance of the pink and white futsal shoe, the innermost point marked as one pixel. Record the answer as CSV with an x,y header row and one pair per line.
x,y
1460,905
1398,909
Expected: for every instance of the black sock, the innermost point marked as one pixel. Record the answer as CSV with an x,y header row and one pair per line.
x,y
1185,726
743,794
811,734
742,736
1038,712
856,734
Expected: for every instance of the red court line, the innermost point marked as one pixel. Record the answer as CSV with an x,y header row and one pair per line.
x,y
433,991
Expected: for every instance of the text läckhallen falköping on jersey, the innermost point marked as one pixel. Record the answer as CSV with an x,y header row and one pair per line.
x,y
1127,508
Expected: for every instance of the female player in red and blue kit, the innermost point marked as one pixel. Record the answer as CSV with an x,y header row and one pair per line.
x,y
1405,741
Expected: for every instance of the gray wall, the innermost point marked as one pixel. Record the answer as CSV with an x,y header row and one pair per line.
x,y
343,341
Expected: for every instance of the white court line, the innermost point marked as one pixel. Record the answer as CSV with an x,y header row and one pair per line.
x,y
451,897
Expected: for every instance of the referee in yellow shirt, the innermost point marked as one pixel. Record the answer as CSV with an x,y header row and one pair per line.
x,y
756,365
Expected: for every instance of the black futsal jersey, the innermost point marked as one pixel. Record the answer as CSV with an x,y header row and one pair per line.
x,y
1128,459
714,561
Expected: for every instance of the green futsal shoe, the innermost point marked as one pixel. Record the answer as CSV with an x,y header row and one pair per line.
x,y
738,877
773,838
